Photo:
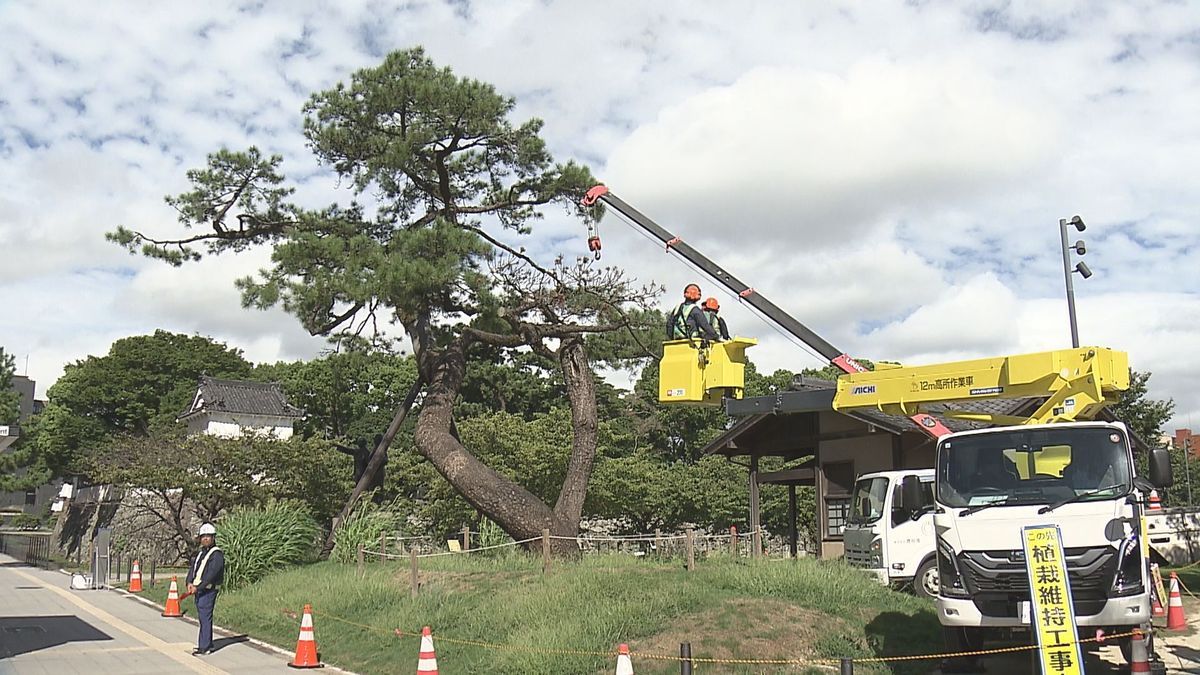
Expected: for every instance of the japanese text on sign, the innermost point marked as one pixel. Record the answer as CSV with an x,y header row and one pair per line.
x,y
1050,593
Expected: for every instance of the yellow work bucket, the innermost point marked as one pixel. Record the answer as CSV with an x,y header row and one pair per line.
x,y
691,375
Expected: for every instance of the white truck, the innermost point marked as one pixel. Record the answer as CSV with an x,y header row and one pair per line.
x,y
893,544
900,550
991,483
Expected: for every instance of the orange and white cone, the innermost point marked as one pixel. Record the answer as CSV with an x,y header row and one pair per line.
x,y
1139,659
1155,502
1156,608
306,644
135,578
624,665
427,660
1175,618
172,609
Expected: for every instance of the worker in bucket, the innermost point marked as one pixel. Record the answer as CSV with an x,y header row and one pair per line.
x,y
711,307
687,321
204,581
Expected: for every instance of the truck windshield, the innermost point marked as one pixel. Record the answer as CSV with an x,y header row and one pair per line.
x,y
869,496
1038,466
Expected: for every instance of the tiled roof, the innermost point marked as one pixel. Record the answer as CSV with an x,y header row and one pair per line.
x,y
240,396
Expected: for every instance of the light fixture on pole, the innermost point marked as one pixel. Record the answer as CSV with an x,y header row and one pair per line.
x,y
1080,267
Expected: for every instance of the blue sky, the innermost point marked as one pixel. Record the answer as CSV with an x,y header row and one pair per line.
x,y
892,173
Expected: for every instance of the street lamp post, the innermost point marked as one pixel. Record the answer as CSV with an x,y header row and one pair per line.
x,y
1081,267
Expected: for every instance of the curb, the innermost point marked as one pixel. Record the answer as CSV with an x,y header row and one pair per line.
x,y
225,632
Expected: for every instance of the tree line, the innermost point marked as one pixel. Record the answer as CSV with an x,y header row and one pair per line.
x,y
112,419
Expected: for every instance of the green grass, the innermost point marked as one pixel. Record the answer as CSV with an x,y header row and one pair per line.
x,y
802,609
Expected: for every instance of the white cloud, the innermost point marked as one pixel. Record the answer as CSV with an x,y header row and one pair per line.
x,y
881,171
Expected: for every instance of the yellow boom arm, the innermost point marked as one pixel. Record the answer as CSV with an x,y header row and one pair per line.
x,y
1077,383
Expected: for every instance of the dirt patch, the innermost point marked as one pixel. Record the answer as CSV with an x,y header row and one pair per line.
x,y
452,582
745,629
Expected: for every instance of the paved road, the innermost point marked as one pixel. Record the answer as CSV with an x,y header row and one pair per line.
x,y
48,629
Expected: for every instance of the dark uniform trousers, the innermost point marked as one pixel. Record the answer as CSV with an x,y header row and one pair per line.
x,y
206,601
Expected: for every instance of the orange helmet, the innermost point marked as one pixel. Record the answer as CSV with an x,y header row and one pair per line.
x,y
711,303
691,292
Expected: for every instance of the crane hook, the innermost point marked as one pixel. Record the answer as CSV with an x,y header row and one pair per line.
x,y
593,241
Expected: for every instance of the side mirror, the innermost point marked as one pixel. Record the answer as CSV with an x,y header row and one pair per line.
x,y
910,494
1160,468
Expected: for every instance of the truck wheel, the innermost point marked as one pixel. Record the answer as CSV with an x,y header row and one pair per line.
x,y
925,584
961,639
1126,645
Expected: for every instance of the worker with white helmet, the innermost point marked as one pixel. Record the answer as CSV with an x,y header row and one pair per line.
x,y
204,581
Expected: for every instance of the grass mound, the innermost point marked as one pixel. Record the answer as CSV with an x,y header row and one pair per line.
x,y
726,609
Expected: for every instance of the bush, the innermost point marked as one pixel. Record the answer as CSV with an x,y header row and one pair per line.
x,y
363,526
25,521
258,541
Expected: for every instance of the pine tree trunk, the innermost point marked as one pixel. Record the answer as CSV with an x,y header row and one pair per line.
x,y
581,390
516,510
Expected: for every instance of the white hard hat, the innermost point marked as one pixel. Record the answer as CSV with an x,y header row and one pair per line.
x,y
208,528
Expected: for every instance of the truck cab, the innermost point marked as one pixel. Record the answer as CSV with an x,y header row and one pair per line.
x,y
892,540
1080,476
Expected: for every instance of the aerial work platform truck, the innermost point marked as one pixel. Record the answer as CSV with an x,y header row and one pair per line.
x,y
1055,466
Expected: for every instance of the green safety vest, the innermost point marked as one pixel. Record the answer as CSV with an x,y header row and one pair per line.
x,y
680,329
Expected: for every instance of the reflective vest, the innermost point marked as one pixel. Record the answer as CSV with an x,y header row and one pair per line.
x,y
679,325
200,568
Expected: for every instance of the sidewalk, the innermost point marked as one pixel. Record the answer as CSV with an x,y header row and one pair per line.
x,y
48,629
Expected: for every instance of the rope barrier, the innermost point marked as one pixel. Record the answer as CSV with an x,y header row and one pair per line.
x,y
549,651
397,556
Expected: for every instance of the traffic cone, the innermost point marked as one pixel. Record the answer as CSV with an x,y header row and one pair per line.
x,y
135,579
1175,619
306,644
1139,660
624,665
172,609
1155,502
427,660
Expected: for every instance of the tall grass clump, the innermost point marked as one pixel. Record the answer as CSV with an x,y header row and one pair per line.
x,y
258,541
363,526
490,534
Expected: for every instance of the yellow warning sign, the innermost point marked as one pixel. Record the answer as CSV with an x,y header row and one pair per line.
x,y
1159,591
1052,612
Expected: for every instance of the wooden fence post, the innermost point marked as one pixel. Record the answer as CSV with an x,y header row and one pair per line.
x,y
658,543
545,550
412,563
467,538
733,540
691,550
362,561
400,541
382,545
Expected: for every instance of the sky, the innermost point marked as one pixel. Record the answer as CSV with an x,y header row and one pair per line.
x,y
890,173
